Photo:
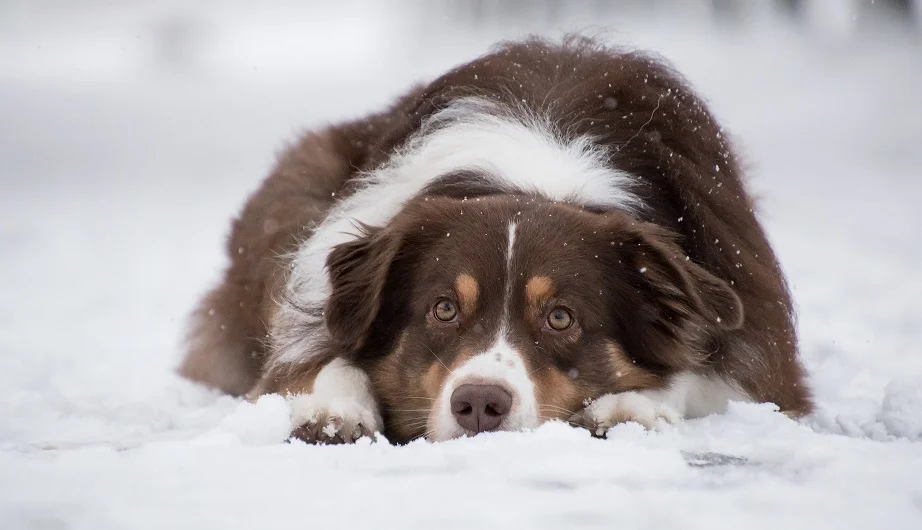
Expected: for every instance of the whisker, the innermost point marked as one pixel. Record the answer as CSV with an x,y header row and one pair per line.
x,y
439,360
550,406
568,422
421,429
558,409
426,433
413,422
415,426
554,408
556,415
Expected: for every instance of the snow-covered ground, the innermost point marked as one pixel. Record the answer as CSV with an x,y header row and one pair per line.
x,y
122,160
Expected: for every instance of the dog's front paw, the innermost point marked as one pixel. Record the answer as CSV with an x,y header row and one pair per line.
x,y
317,420
611,409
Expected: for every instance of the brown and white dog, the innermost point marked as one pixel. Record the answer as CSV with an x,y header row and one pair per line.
x,y
552,231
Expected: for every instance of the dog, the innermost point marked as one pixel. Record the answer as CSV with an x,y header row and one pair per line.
x,y
553,231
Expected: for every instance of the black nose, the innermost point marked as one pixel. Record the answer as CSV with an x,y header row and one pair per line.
x,y
480,408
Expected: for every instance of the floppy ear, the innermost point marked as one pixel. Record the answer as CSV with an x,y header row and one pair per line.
x,y
684,290
358,273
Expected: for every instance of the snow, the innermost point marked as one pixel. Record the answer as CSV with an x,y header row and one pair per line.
x,y
120,174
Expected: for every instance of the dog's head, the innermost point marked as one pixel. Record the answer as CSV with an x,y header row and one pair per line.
x,y
505,311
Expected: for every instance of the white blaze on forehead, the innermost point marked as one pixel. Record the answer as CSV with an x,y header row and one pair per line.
x,y
507,293
500,365
515,146
509,247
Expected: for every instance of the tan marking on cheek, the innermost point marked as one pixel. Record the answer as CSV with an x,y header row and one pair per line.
x,y
626,374
400,399
432,381
538,290
468,290
557,394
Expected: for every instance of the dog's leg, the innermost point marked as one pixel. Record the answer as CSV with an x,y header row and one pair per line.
x,y
687,395
611,409
333,405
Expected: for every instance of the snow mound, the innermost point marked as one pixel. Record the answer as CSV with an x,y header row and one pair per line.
x,y
901,412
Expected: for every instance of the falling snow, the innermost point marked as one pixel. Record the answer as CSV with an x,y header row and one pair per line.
x,y
113,224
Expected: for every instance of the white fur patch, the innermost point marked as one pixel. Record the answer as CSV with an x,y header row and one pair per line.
x,y
507,296
689,395
341,398
500,365
516,147
509,248
697,395
612,409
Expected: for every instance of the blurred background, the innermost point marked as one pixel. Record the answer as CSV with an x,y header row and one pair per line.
x,y
131,132
123,89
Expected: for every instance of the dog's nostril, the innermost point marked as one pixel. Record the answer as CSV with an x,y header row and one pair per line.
x,y
491,411
480,408
461,407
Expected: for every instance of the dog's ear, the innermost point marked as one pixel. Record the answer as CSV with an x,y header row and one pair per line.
x,y
673,305
358,273
683,302
685,292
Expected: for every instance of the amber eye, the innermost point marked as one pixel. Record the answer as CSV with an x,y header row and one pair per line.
x,y
559,319
445,310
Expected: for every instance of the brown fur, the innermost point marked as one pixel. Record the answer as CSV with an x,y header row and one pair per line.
x,y
690,284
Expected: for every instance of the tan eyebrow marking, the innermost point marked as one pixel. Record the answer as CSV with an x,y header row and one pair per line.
x,y
468,290
538,290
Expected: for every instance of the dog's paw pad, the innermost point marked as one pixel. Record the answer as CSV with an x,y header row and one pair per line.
x,y
611,409
318,421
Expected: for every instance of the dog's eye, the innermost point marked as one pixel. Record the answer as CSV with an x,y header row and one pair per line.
x,y
559,319
445,310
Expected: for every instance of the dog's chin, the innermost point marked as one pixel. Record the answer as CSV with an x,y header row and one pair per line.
x,y
453,431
